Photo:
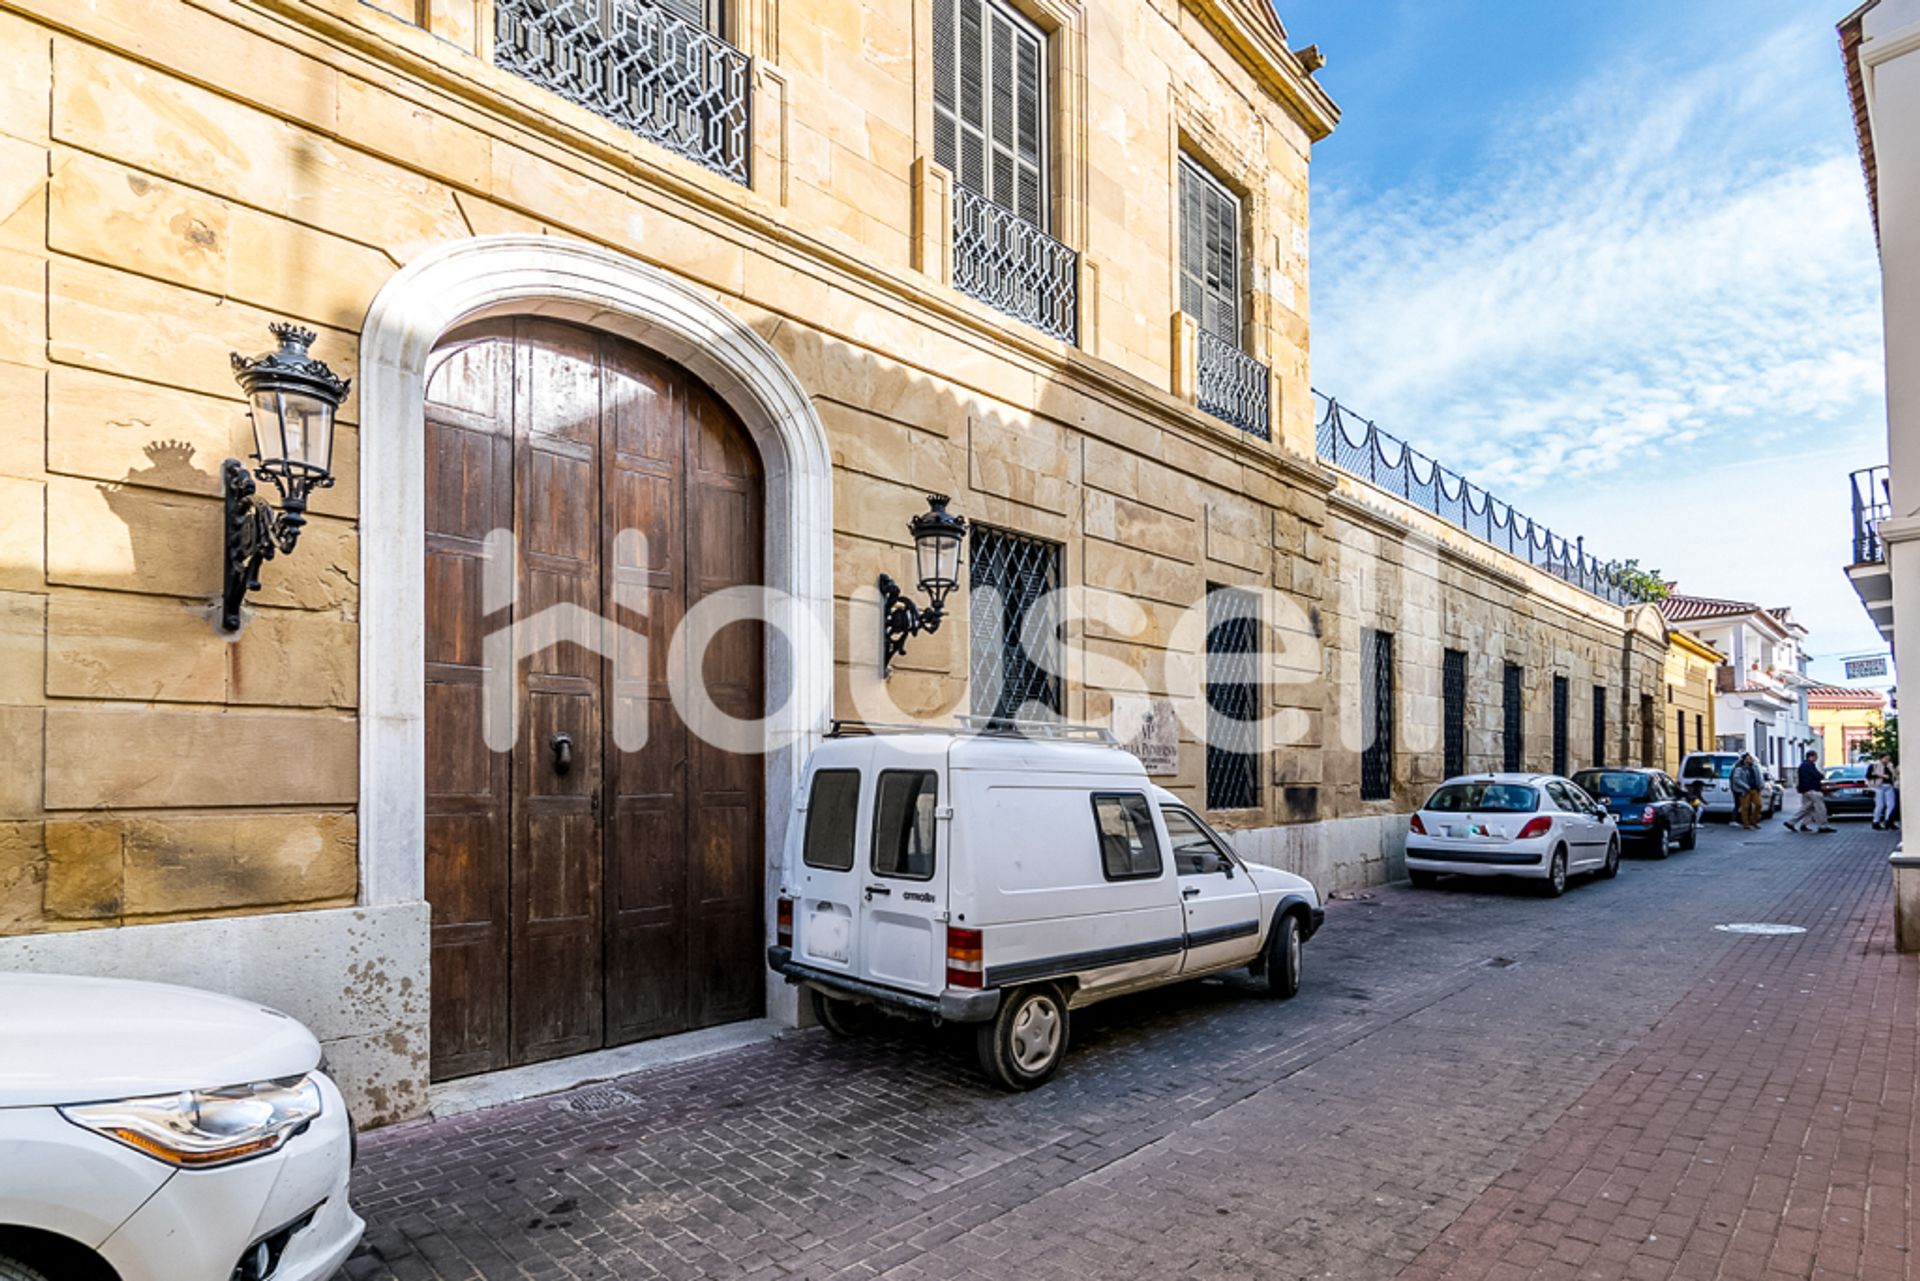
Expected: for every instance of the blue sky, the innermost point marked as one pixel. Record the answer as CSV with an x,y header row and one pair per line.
x,y
1613,262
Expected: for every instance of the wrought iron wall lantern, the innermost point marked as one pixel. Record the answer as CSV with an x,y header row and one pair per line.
x,y
292,398
936,547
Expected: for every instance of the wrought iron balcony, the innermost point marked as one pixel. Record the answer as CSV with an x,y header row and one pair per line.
x,y
1231,385
1872,503
1010,264
637,65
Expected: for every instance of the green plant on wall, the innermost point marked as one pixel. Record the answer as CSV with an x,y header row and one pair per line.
x,y
1884,739
1644,584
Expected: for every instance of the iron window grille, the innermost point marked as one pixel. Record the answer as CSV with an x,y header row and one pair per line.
x,y
1680,734
1233,698
1376,715
1872,503
1699,732
1599,726
1389,463
990,117
1229,384
1513,730
1453,698
1646,730
642,64
1560,725
1013,644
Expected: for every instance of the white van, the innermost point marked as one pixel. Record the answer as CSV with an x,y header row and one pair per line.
x,y
1005,877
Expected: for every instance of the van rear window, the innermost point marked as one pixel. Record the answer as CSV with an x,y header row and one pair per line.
x,y
1129,849
903,827
833,806
1707,767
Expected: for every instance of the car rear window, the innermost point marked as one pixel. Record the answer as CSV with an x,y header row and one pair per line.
x,y
1707,767
1847,773
1620,785
1484,798
833,806
903,823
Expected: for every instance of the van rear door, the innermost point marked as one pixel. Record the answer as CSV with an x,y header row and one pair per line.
x,y
903,902
829,875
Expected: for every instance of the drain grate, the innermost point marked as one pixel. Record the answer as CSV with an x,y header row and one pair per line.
x,y
606,1098
1760,927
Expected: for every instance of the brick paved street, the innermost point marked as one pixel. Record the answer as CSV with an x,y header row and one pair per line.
x,y
1476,1083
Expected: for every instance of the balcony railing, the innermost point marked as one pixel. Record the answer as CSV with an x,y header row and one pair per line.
x,y
1389,463
637,65
1231,385
1010,264
1872,503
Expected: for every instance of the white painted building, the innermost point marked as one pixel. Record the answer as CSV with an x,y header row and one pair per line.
x,y
1762,688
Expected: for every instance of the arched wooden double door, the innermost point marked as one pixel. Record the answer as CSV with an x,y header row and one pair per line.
x,y
584,895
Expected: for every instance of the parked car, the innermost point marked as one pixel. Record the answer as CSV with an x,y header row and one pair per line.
x,y
1847,790
156,1133
1648,807
1713,769
1003,881
1532,825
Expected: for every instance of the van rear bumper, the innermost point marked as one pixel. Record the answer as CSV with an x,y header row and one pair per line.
x,y
951,1006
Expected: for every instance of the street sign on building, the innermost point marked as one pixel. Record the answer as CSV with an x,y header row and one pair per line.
x,y
1866,667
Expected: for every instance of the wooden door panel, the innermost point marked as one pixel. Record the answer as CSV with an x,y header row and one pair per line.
x,y
469,460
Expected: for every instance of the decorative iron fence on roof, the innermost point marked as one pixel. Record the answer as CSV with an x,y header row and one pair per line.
x,y
1388,463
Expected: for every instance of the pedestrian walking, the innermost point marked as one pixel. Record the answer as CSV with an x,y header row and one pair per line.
x,y
1748,795
1813,798
1885,777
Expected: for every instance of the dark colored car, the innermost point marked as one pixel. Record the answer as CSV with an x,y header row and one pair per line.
x,y
1848,791
1650,808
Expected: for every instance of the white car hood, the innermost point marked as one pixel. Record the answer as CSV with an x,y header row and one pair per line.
x,y
1272,880
79,1040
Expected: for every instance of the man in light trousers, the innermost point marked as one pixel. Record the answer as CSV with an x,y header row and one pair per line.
x,y
1885,777
1813,798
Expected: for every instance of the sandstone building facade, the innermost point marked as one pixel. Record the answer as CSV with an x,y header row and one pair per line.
x,y
1046,257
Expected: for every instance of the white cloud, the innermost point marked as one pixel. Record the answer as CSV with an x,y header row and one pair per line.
x,y
1670,263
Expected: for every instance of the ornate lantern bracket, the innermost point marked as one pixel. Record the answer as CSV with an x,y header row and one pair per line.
x,y
936,544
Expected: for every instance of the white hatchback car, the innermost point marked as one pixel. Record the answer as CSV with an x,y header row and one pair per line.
x,y
156,1133
1533,825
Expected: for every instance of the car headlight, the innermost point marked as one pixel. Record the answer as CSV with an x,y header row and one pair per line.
x,y
200,1128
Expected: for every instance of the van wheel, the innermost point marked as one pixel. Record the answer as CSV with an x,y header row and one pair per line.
x,y
843,1019
1023,1045
1283,958
11,1270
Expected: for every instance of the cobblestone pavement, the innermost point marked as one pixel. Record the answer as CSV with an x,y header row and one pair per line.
x,y
1476,1083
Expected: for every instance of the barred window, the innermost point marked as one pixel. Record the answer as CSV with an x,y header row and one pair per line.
x,y
1453,697
1560,725
989,103
1699,733
1209,253
1013,650
1647,729
1376,715
1513,741
1233,698
1599,726
1680,732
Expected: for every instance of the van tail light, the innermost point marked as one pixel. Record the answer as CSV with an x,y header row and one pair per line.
x,y
1419,828
783,922
1536,827
963,957
1647,816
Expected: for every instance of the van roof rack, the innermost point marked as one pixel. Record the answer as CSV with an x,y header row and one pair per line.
x,y
985,727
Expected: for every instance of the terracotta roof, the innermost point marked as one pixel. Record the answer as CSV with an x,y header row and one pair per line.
x,y
1850,35
1843,696
1679,608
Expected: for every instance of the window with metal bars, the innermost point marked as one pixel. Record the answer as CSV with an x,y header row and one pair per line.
x,y
990,103
1560,725
1599,726
1453,711
1013,649
1680,734
1646,730
1699,733
1233,698
1513,730
1209,253
1376,715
